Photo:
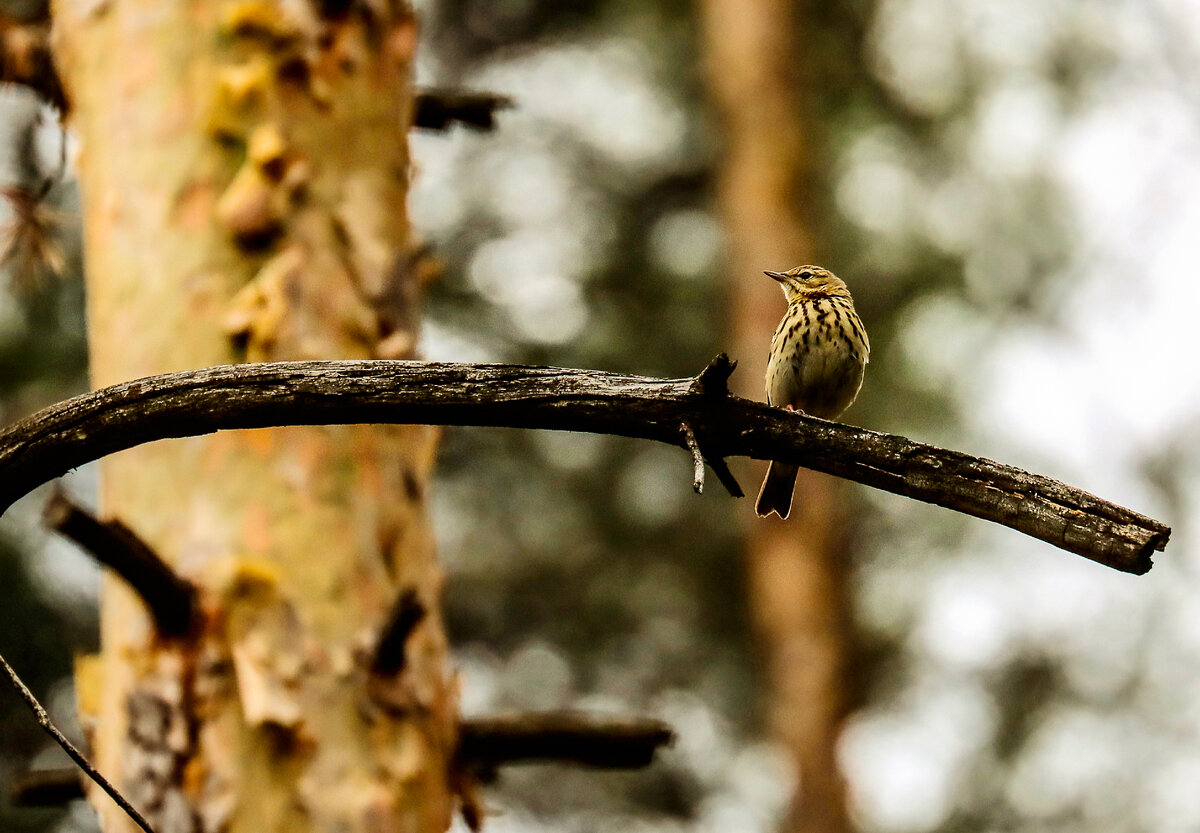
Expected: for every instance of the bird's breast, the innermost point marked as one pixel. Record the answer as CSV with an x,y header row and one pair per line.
x,y
818,356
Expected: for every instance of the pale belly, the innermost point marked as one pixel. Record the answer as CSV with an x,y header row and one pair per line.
x,y
819,382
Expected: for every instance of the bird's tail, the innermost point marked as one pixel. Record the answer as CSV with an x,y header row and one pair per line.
x,y
776,493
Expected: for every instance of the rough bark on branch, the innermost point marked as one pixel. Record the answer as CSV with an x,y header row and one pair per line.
x,y
87,427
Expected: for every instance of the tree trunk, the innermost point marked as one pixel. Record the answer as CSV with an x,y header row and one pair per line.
x,y
244,171
796,572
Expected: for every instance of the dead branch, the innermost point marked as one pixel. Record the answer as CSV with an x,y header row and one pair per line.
x,y
44,721
46,787
171,599
439,109
689,439
568,737
391,650
485,744
87,427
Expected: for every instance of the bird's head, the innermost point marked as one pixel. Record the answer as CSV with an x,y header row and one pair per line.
x,y
809,282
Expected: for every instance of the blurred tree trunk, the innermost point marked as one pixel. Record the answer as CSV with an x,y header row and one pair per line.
x,y
796,569
244,170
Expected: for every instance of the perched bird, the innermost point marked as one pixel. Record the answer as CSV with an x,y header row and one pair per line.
x,y
818,355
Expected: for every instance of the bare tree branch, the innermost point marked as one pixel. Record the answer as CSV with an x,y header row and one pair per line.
x,y
689,438
439,109
46,787
570,737
171,599
485,743
79,430
44,721
725,476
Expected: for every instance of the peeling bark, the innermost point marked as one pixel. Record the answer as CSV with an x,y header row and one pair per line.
x,y
244,170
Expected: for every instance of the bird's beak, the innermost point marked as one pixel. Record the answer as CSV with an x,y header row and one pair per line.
x,y
779,276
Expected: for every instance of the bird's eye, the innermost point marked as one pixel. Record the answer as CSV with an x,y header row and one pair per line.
x,y
805,276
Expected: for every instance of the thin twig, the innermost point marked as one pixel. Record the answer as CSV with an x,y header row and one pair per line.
x,y
689,437
87,427
44,721
692,443
725,476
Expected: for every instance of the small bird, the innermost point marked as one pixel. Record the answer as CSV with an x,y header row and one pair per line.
x,y
818,355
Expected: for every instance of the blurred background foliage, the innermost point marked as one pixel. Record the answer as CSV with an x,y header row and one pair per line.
x,y
1009,189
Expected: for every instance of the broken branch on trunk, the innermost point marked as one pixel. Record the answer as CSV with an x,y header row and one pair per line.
x,y
567,737
391,654
87,427
438,109
171,599
46,787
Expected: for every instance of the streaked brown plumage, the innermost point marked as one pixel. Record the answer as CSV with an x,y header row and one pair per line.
x,y
818,355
